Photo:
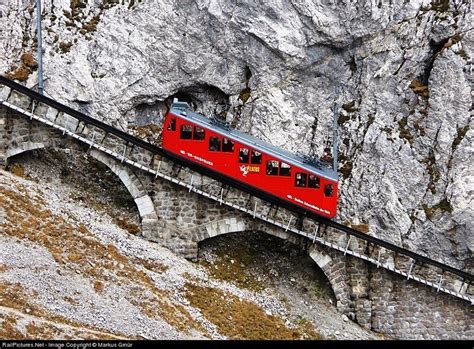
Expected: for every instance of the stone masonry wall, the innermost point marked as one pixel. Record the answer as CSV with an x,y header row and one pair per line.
x,y
375,298
406,309
386,302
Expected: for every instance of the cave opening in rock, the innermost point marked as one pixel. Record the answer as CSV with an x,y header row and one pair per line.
x,y
146,119
204,99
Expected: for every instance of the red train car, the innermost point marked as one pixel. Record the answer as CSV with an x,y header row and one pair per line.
x,y
249,160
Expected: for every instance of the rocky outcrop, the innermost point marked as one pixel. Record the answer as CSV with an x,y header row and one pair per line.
x,y
398,72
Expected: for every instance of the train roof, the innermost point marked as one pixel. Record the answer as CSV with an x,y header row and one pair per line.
x,y
183,110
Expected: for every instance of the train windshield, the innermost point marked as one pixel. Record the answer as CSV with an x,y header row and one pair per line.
x,y
328,190
172,125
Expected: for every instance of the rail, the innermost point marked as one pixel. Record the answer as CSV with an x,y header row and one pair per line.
x,y
416,258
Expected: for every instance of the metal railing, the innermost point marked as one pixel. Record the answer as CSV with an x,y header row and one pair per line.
x,y
416,260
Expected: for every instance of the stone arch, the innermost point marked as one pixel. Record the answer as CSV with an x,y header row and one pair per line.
x,y
143,201
23,147
334,269
332,265
236,224
218,227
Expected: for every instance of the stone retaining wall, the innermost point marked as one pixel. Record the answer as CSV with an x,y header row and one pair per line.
x,y
172,216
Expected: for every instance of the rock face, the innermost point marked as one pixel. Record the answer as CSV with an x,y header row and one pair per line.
x,y
399,73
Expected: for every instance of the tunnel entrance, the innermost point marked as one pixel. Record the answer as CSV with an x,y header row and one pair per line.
x,y
145,119
204,99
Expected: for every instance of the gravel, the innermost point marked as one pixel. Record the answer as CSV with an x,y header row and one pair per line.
x,y
287,274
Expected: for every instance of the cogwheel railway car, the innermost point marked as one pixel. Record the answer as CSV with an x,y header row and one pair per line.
x,y
249,160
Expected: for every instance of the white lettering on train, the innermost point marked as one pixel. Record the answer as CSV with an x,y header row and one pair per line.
x,y
303,202
198,158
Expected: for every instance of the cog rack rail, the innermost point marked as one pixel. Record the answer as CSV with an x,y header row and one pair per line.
x,y
440,276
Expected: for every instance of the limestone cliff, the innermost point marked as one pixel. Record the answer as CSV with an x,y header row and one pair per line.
x,y
399,71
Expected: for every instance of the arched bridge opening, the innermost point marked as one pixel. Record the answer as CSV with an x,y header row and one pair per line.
x,y
258,260
84,178
358,266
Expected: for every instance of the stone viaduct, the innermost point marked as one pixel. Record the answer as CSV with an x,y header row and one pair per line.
x,y
179,219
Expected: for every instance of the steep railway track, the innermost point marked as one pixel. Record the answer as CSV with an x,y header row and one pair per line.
x,y
121,146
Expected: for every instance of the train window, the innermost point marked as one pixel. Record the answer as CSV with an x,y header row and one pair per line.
x,y
285,169
199,133
214,144
172,125
244,156
227,145
272,167
313,181
186,132
256,157
300,180
328,190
